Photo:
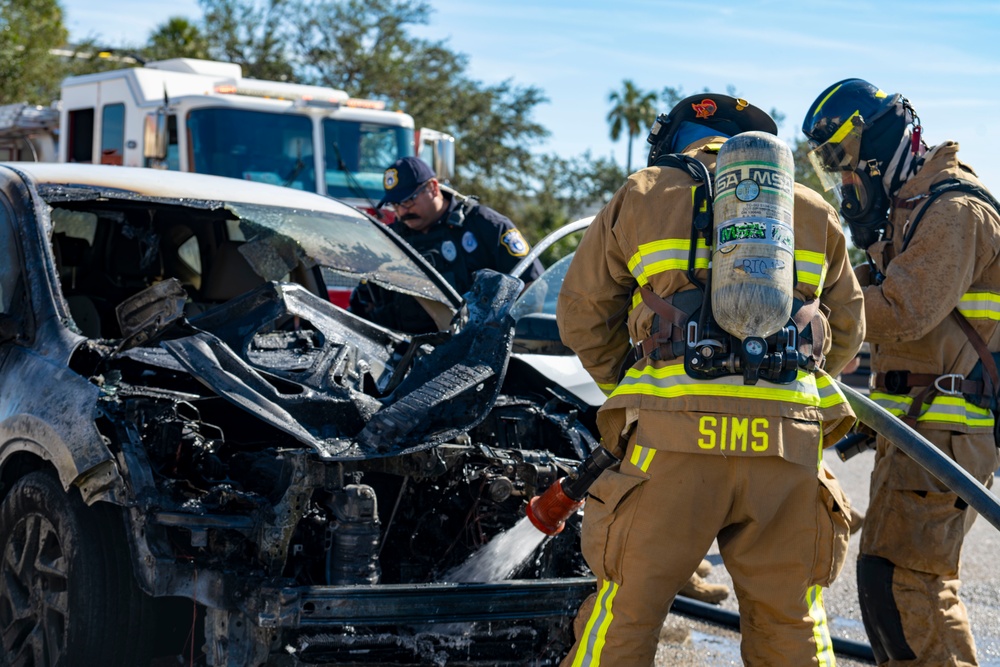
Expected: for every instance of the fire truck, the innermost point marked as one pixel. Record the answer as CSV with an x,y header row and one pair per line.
x,y
203,116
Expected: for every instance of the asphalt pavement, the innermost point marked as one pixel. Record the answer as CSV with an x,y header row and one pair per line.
x,y
690,642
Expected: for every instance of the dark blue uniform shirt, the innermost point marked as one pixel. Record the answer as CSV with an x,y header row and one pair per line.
x,y
468,237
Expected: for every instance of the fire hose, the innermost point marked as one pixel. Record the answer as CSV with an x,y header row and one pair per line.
x,y
549,511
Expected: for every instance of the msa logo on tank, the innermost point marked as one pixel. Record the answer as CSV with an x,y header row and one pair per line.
x,y
515,243
746,182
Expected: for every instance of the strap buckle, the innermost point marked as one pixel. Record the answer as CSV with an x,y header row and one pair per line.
x,y
954,381
896,382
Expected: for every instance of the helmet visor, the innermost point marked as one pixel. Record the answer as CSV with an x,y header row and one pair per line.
x,y
840,153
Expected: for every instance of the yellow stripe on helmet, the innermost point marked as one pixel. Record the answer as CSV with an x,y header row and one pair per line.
x,y
824,100
844,129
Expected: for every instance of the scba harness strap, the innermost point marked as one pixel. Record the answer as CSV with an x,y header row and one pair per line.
x,y
683,325
982,386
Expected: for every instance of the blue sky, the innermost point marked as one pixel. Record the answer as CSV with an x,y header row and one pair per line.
x,y
944,56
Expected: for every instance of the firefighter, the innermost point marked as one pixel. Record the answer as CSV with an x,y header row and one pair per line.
x,y
706,459
932,303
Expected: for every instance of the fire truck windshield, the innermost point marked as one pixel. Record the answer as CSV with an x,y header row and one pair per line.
x,y
358,153
253,145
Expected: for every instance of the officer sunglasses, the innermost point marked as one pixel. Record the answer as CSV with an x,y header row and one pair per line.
x,y
408,202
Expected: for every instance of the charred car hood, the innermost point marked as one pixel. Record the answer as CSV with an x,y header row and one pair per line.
x,y
308,384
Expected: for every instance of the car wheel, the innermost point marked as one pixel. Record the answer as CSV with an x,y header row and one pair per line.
x,y
68,595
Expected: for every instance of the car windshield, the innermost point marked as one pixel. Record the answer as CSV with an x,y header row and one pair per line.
x,y
353,247
347,246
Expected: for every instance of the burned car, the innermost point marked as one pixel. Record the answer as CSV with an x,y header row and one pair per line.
x,y
201,455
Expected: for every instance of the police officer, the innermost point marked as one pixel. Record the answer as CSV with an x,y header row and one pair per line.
x,y
456,234
687,475
932,304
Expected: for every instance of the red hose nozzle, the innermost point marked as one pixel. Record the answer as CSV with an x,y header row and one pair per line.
x,y
549,511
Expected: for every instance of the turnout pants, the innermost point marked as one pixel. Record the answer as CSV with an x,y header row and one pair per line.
x,y
648,523
908,568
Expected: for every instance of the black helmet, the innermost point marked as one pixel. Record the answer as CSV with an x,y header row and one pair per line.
x,y
726,115
855,129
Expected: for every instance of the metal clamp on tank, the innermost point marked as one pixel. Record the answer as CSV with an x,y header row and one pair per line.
x,y
775,358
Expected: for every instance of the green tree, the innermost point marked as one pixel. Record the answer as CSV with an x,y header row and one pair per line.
x,y
29,29
365,47
177,37
633,110
254,34
565,190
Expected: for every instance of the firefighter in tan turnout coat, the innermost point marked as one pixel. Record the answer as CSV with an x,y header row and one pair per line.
x,y
932,298
706,459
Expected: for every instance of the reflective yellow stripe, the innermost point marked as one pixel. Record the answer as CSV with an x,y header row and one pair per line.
x,y
642,457
671,381
944,408
810,268
821,632
829,393
636,299
666,255
980,306
588,653
606,388
819,460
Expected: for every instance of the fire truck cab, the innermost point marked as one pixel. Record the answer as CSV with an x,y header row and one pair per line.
x,y
204,117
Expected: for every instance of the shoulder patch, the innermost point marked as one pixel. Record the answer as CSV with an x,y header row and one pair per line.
x,y
515,243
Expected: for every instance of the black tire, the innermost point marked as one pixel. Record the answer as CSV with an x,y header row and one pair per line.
x,y
67,592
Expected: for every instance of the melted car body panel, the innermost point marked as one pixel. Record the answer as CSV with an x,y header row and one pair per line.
x,y
267,454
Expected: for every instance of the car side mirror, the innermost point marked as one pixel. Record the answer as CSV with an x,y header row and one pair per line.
x,y
154,144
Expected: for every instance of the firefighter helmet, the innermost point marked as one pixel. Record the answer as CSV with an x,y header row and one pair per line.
x,y
854,130
725,115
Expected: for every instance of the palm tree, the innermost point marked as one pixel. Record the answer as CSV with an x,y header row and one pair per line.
x,y
177,37
633,110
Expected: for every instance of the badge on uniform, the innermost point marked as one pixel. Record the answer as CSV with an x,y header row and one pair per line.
x,y
515,243
449,251
469,242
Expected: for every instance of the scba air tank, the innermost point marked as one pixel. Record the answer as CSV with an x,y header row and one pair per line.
x,y
753,253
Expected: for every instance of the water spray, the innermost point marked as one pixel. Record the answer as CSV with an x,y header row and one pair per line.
x,y
548,512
